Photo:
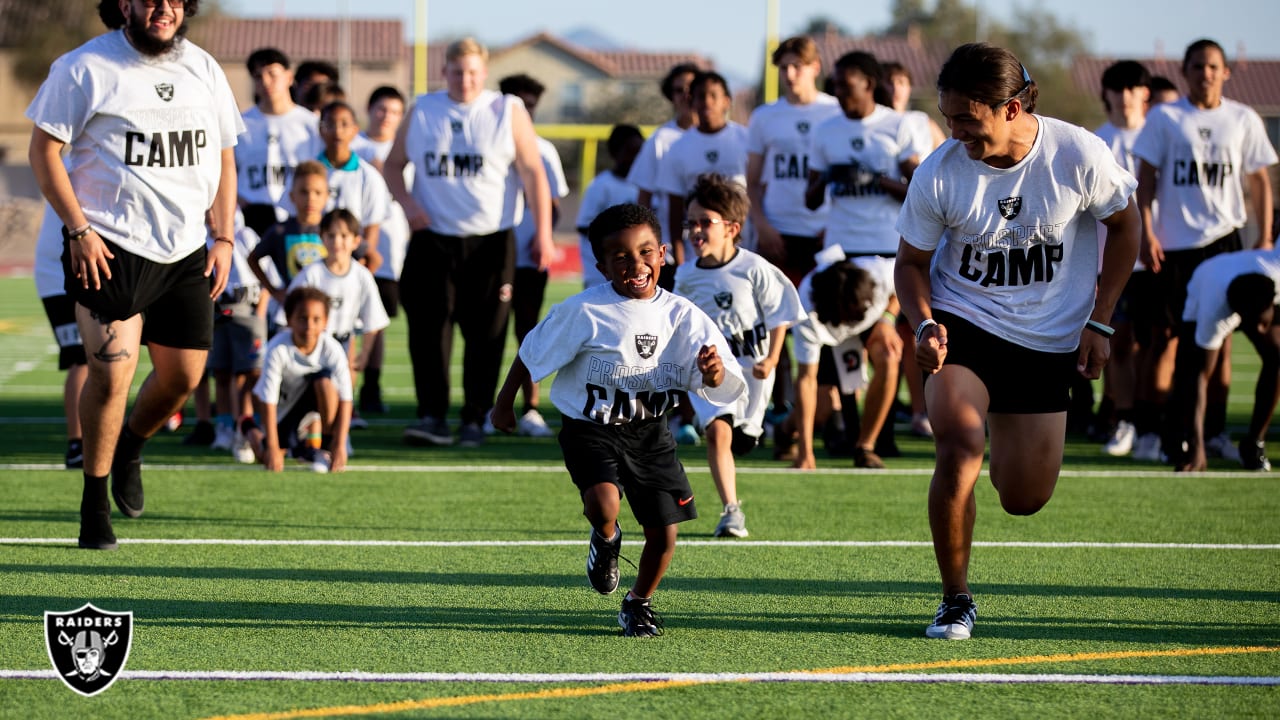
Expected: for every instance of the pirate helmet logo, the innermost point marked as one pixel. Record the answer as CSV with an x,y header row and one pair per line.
x,y
646,344
857,143
1010,207
88,647
713,156
165,91
803,127
724,300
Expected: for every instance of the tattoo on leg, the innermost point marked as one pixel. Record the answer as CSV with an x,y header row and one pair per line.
x,y
103,353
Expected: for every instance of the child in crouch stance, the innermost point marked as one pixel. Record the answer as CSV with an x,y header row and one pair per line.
x,y
621,353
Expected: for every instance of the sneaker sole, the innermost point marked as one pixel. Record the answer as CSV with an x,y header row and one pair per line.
x,y
84,545
419,438
946,632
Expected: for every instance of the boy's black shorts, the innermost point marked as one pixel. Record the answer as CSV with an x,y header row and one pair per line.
x,y
389,292
1019,380
639,458
61,311
173,298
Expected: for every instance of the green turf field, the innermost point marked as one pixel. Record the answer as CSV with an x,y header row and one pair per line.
x,y
449,583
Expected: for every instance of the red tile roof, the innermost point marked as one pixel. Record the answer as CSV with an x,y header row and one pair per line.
x,y
922,59
228,38
1254,82
616,63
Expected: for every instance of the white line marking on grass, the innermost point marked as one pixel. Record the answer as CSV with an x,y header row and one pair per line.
x,y
718,544
778,677
693,470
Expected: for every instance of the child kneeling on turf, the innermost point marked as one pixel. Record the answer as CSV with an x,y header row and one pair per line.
x,y
304,393
621,353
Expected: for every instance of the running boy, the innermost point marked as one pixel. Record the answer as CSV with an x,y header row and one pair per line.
x,y
754,303
621,352
304,372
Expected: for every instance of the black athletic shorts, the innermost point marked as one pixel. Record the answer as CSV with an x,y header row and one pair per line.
x,y
61,311
287,426
1171,282
173,298
799,260
639,458
1019,380
389,291
527,294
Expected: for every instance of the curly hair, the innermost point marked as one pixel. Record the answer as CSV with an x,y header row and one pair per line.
x,y
109,11
614,220
842,293
300,295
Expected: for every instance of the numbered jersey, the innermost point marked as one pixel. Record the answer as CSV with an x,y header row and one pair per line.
x,y
619,360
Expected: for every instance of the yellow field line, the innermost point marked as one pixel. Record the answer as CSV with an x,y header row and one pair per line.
x,y
628,687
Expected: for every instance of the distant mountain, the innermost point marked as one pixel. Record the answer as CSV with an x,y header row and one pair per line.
x,y
591,39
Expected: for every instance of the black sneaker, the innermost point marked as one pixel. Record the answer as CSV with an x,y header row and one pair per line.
x,y
638,618
1253,457
602,561
954,620
864,458
75,454
95,527
428,431
126,486
201,436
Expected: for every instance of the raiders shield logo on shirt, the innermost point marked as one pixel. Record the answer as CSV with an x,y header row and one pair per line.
x,y
724,300
88,647
165,91
1010,207
713,156
857,143
646,344
455,125
802,127
1205,133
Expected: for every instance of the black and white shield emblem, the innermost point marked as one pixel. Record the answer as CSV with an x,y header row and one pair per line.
x,y
165,91
724,300
856,143
88,647
713,156
646,344
1205,133
802,127
455,125
1010,207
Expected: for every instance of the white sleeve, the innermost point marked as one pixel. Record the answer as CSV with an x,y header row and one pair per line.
x,y
644,170
670,172
555,341
373,316
777,297
555,172
60,107
589,206
920,221
230,124
377,198
267,389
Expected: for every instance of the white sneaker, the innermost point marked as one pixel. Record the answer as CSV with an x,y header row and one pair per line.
x,y
1147,448
532,424
242,450
223,437
1121,442
1222,447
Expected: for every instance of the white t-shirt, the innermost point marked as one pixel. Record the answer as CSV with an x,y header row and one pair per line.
x,y
1121,141
559,188
697,152
285,371
360,188
863,214
1201,158
812,335
462,157
146,139
781,134
619,360
644,173
1207,292
352,298
394,232
269,152
746,297
1016,249
605,191
48,262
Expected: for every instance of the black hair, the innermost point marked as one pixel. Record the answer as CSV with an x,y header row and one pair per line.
x,y
863,62
305,294
263,57
1121,76
1199,45
521,84
340,215
709,76
382,92
109,12
1160,83
322,94
669,81
1249,295
614,220
307,68
328,110
620,136
989,75
842,293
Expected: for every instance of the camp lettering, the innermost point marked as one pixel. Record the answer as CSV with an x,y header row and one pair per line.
x,y
790,167
625,407
752,342
452,165
848,189
175,148
1010,266
262,176
1211,174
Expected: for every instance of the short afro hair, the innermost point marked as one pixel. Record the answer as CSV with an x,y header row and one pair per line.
x,y
614,220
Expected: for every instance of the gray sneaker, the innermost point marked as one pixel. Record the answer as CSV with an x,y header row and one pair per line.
x,y
428,431
733,523
954,620
471,435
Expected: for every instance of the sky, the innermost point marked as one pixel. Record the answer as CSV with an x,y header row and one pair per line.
x,y
732,32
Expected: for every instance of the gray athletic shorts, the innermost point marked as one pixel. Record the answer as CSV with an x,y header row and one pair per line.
x,y
238,341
